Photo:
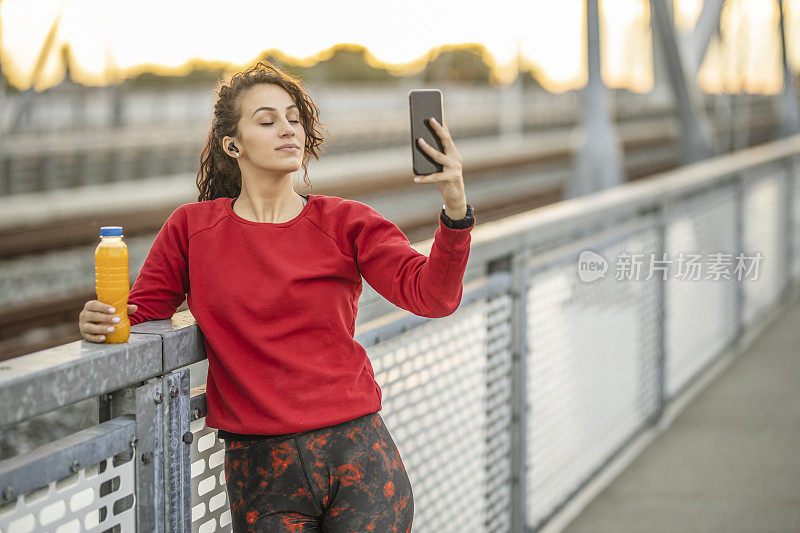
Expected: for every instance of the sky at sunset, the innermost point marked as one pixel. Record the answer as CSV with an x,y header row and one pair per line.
x,y
112,39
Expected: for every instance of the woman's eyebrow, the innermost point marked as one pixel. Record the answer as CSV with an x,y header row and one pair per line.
x,y
267,108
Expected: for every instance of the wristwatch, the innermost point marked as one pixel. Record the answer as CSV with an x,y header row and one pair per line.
x,y
461,223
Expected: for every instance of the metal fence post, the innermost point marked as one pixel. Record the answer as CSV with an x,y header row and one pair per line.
x,y
661,317
518,265
739,215
788,233
149,473
144,402
177,438
520,279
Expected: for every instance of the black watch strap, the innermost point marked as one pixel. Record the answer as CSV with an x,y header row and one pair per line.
x,y
461,223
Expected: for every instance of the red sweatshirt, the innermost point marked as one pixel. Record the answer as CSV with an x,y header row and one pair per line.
x,y
277,304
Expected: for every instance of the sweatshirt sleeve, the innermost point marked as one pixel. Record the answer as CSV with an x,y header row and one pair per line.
x,y
163,281
429,286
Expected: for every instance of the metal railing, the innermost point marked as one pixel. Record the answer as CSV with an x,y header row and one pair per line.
x,y
501,411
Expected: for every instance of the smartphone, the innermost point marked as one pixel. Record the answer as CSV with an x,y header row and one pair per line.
x,y
423,104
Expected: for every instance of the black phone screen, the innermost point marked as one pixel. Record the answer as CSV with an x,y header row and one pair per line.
x,y
423,104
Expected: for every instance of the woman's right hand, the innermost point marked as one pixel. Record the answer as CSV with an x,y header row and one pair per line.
x,y
95,319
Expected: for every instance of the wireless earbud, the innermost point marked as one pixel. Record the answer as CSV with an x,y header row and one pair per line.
x,y
231,146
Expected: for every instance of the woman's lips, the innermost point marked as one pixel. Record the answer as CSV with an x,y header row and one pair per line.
x,y
288,149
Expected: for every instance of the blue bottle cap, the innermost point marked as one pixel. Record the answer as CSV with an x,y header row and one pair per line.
x,y
111,231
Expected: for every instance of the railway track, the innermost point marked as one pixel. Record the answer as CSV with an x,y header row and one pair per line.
x,y
41,325
38,237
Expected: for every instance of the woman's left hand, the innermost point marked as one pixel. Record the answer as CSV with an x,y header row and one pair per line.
x,y
450,180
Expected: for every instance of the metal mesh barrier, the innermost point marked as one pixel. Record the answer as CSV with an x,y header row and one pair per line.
x,y
433,379
602,357
591,372
446,388
498,414
700,309
764,234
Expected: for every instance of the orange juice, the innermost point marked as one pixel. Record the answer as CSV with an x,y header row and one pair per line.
x,y
112,281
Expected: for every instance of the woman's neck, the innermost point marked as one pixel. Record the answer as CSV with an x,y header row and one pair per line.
x,y
272,210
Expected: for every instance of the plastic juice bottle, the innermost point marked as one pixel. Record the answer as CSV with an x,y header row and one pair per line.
x,y
111,279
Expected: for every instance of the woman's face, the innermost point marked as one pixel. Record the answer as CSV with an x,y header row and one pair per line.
x,y
270,119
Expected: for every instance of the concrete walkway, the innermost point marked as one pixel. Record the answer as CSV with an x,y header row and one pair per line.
x,y
730,462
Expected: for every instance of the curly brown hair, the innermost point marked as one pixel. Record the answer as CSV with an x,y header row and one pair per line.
x,y
219,175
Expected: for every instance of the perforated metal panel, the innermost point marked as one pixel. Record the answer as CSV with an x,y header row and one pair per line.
x,y
95,499
592,354
700,305
764,232
210,505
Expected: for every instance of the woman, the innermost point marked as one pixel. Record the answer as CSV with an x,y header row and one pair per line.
x,y
273,280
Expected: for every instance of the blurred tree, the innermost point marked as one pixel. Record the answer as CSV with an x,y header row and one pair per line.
x,y
199,75
464,64
10,89
531,77
471,64
348,64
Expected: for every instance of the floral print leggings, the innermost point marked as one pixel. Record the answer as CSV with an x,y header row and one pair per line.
x,y
342,478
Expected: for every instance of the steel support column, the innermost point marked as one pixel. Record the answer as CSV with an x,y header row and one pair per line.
x,y
704,29
598,154
661,91
697,138
5,185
